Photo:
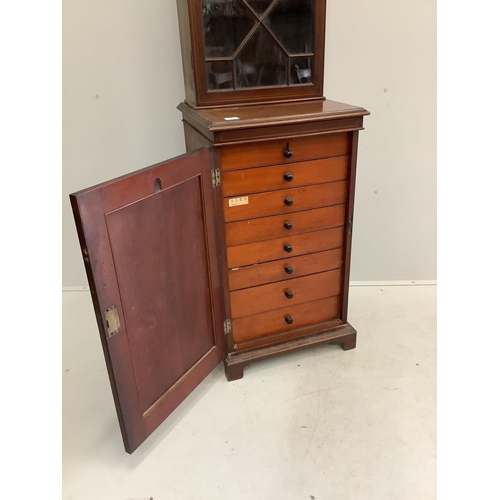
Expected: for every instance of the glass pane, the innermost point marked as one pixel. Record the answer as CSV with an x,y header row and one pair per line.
x,y
301,70
220,75
259,6
291,21
225,23
261,62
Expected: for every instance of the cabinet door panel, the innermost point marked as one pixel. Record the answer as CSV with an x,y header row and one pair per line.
x,y
149,245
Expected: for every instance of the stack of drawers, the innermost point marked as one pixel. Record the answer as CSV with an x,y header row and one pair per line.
x,y
284,213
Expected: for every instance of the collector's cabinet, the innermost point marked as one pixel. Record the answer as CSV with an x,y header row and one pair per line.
x,y
284,176
240,249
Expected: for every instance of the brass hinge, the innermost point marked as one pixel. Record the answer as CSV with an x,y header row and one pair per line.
x,y
227,326
112,321
349,224
215,178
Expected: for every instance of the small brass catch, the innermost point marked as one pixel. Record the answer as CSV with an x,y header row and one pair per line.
x,y
216,178
112,321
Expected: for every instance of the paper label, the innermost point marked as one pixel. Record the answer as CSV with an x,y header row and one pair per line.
x,y
229,118
242,200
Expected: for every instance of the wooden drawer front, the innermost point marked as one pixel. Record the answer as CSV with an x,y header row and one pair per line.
x,y
256,154
273,296
270,272
265,228
265,251
255,180
273,202
273,322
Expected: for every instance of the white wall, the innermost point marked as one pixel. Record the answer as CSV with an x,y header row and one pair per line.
x,y
379,55
382,56
127,52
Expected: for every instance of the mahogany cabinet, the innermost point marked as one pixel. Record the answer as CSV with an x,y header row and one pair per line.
x,y
284,176
240,249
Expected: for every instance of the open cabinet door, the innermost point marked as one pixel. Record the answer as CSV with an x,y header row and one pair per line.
x,y
149,242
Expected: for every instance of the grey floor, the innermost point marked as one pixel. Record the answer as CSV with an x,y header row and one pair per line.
x,y
318,424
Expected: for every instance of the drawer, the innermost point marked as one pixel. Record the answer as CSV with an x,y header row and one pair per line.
x,y
261,153
265,228
299,244
255,180
273,322
285,293
286,201
284,269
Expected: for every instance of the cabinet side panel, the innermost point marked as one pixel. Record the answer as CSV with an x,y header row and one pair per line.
x,y
194,140
186,50
348,226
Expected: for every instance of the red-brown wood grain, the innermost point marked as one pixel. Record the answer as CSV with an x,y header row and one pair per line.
x,y
305,173
289,131
269,323
275,202
273,152
273,296
259,123
331,332
166,289
265,228
349,227
269,272
264,251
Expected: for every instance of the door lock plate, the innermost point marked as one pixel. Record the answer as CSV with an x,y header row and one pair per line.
x,y
112,321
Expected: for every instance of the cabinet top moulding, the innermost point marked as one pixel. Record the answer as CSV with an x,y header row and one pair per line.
x,y
261,122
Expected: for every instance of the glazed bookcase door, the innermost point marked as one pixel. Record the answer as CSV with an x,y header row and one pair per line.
x,y
151,254
257,50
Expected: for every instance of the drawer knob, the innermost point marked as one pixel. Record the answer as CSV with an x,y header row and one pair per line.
x,y
288,225
288,153
287,248
288,202
289,320
288,177
289,294
288,269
